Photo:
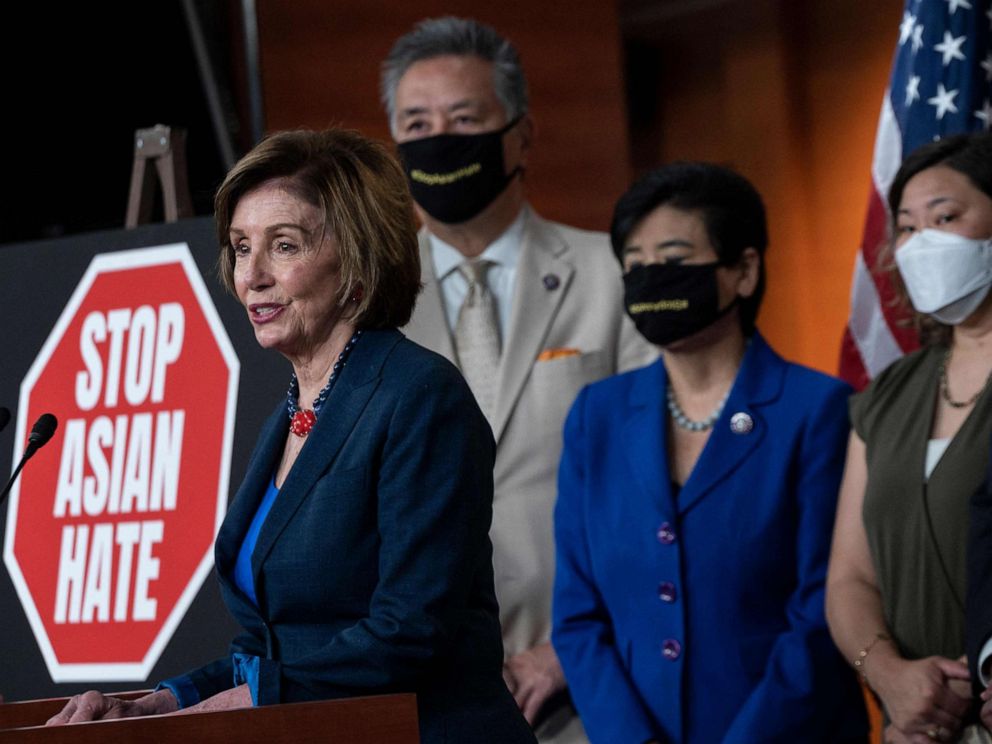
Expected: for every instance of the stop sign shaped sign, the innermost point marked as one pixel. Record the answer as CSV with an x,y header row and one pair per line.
x,y
110,529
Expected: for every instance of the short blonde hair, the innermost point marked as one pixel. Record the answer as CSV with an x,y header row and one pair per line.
x,y
362,193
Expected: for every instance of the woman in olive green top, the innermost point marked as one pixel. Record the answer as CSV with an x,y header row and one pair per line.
x,y
896,583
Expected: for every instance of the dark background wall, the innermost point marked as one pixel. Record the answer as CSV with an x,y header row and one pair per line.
x,y
78,80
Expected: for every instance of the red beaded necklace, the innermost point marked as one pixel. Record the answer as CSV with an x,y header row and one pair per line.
x,y
302,421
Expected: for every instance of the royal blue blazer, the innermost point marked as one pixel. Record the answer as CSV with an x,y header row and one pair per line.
x,y
698,617
373,570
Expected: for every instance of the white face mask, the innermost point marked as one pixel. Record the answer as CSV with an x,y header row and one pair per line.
x,y
946,275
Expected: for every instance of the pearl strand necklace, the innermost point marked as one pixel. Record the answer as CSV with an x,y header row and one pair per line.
x,y
684,422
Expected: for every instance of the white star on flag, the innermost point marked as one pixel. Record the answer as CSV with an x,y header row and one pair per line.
x,y
955,4
913,89
944,101
917,37
950,47
985,114
906,27
940,86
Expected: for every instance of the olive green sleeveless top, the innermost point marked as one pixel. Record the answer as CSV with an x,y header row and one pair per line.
x,y
917,529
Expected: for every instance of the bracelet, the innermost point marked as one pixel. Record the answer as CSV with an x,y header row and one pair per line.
x,y
859,661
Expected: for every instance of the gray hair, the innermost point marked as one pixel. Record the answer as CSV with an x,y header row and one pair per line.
x,y
436,37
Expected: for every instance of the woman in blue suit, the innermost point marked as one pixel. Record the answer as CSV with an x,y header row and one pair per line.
x,y
356,554
697,495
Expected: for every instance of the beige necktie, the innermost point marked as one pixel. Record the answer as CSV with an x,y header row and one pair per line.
x,y
477,336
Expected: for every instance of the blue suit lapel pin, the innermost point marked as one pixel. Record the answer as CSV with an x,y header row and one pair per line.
x,y
741,423
551,281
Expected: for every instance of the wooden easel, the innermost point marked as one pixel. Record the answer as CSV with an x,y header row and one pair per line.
x,y
166,147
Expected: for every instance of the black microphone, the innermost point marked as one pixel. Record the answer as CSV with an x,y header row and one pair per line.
x,y
41,432
4,417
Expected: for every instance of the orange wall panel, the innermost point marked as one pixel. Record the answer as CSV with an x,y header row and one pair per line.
x,y
320,66
793,105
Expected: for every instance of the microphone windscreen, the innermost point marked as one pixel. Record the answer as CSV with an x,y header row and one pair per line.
x,y
4,417
43,430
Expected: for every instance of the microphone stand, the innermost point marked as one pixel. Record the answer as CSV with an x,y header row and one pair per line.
x,y
31,449
41,432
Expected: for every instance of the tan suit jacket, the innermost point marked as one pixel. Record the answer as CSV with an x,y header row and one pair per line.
x,y
567,298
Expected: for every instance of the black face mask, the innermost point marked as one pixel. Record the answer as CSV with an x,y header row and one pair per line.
x,y
453,177
669,302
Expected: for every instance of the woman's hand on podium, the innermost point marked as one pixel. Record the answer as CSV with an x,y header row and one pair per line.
x,y
95,706
236,697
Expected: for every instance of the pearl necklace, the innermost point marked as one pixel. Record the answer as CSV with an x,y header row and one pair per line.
x,y
684,422
302,421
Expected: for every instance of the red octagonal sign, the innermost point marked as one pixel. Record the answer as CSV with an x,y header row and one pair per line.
x,y
110,529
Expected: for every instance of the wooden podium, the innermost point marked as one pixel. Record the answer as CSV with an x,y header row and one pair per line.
x,y
364,720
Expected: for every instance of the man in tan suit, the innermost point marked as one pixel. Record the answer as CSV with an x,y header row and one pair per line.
x,y
530,310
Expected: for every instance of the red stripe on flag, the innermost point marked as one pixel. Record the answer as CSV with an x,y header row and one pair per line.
x,y
851,368
873,243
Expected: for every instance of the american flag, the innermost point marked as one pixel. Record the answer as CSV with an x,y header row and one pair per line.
x,y
941,84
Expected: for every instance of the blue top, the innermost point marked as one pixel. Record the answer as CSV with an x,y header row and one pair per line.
x,y
245,666
242,568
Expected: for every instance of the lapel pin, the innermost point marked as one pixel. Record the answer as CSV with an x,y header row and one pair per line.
x,y
551,281
741,423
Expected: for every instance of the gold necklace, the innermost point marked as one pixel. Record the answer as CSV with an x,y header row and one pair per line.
x,y
945,392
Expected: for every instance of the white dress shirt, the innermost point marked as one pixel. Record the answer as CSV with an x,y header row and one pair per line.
x,y
504,253
935,450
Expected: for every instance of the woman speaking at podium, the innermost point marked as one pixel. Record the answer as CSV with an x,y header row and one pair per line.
x,y
355,554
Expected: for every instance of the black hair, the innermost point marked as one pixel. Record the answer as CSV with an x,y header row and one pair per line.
x,y
970,154
731,209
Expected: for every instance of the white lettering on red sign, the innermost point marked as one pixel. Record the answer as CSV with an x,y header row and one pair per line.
x,y
87,586
110,532
154,341
134,461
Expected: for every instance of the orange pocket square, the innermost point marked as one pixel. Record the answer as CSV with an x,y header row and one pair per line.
x,y
560,353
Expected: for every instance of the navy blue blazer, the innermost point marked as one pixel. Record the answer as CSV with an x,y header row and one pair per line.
x,y
698,616
373,570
